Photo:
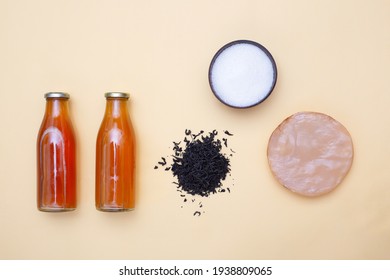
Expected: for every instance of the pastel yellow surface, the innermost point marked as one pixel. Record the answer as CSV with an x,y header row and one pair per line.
x,y
332,56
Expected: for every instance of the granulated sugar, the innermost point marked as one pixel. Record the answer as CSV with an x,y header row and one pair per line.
x,y
199,165
242,74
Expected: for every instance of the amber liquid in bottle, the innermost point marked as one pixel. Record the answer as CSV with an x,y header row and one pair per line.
x,y
56,157
115,157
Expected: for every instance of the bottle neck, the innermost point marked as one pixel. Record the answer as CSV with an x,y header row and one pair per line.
x,y
116,107
56,107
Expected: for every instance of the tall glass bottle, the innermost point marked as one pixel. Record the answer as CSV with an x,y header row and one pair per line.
x,y
56,157
115,157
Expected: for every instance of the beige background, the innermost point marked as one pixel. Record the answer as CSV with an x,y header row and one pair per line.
x,y
332,56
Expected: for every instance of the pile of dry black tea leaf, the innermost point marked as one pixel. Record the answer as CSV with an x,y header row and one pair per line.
x,y
200,164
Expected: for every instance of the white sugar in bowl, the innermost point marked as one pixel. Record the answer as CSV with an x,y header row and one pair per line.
x,y
242,74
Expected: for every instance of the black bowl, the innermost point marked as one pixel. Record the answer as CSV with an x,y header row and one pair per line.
x,y
264,50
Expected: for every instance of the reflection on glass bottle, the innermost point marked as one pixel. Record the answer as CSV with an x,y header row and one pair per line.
x,y
56,160
115,157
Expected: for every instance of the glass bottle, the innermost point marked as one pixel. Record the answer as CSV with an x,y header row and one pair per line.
x,y
115,157
56,157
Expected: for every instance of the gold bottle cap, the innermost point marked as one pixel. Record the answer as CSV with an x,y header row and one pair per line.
x,y
63,95
117,95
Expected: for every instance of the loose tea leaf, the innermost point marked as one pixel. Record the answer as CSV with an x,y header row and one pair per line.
x,y
201,167
199,164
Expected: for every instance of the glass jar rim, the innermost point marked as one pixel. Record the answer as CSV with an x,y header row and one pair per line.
x,y
57,94
117,94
